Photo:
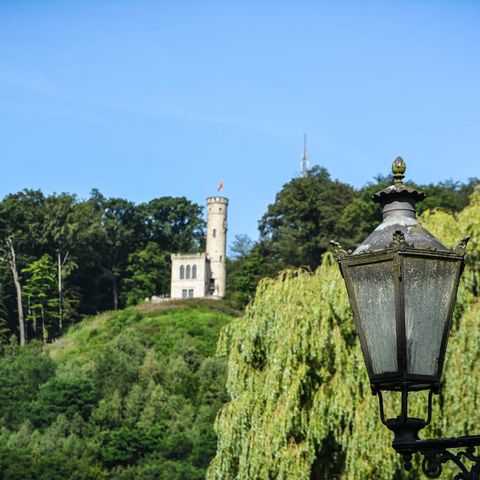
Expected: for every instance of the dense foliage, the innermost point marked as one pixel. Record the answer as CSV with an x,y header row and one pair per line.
x,y
307,213
129,395
61,257
133,394
300,404
296,228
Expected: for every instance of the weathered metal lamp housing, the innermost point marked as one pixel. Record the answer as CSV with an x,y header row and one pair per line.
x,y
402,284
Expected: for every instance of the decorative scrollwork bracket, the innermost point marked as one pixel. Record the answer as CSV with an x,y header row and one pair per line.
x,y
433,461
437,452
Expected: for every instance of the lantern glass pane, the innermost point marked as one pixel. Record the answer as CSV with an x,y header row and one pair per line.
x,y
430,286
375,299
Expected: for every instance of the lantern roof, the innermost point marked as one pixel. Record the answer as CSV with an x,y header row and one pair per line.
x,y
399,216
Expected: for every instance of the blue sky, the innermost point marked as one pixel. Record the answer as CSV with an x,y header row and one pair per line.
x,y
144,99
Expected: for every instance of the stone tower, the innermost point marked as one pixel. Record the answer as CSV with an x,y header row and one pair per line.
x,y
217,243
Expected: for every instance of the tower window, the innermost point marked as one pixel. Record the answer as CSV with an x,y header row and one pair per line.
x,y
182,272
194,271
187,272
221,258
214,232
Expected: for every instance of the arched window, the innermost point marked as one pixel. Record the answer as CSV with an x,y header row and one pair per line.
x,y
214,233
194,271
182,272
187,275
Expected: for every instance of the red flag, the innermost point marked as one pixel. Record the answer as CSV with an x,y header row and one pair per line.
x,y
220,186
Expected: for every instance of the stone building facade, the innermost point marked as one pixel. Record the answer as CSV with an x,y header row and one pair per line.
x,y
203,274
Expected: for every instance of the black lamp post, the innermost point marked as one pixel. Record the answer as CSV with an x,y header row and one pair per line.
x,y
402,283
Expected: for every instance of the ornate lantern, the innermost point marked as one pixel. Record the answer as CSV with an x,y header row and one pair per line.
x,y
402,283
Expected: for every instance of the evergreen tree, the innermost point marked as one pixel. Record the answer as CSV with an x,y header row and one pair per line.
x,y
40,286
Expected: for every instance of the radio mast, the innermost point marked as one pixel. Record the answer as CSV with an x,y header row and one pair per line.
x,y
305,157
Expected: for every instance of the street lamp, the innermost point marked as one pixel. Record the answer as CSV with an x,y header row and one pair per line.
x,y
402,283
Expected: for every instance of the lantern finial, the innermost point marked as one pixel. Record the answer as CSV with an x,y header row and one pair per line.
x,y
399,168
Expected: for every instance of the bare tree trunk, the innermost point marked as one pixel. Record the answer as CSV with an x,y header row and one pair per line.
x,y
44,332
60,313
60,265
115,292
18,289
32,314
115,279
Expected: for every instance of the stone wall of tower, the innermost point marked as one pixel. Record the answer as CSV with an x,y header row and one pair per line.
x,y
217,243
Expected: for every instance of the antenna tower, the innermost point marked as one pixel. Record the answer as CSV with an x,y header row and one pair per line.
x,y
305,163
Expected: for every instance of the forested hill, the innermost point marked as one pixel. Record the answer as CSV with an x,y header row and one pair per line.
x,y
124,395
62,257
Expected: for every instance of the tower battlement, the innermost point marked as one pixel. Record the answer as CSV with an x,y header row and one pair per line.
x,y
217,200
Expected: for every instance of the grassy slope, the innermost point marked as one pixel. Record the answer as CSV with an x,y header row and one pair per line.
x,y
159,326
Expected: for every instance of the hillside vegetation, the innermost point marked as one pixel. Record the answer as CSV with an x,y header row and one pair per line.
x,y
301,407
124,395
133,394
63,257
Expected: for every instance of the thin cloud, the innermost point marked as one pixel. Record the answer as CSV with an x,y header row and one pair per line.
x,y
59,103
32,82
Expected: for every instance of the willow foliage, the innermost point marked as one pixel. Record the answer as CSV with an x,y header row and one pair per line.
x,y
301,408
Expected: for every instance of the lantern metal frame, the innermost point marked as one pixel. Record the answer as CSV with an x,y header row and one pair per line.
x,y
400,200
399,249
